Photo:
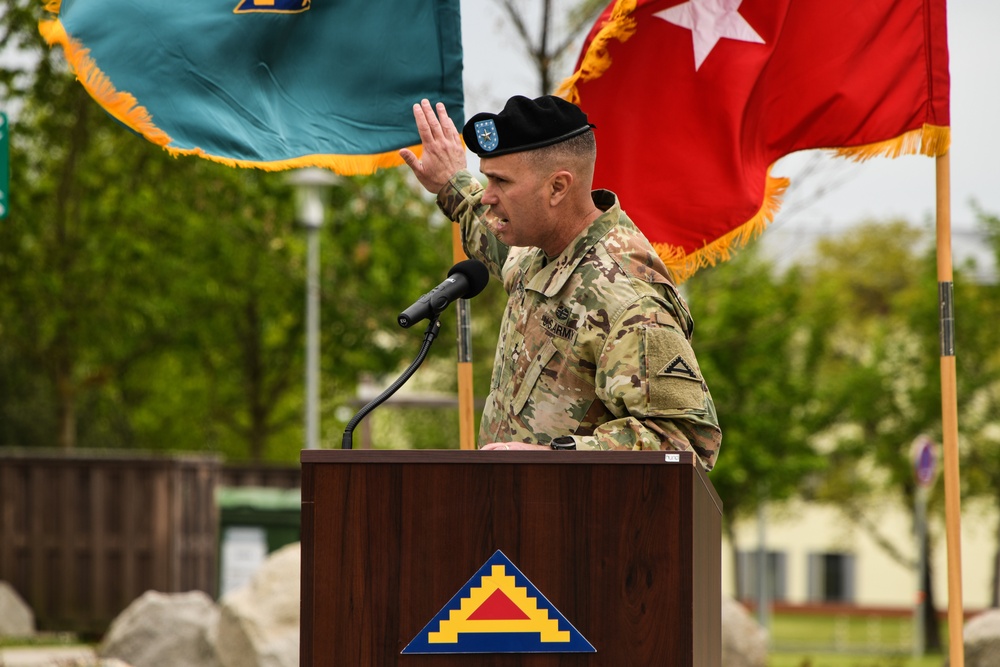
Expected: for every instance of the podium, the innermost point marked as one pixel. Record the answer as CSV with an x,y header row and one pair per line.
x,y
625,547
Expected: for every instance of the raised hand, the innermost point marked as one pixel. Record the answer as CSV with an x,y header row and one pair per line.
x,y
443,153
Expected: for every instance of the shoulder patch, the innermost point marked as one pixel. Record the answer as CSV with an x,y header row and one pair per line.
x,y
675,381
678,368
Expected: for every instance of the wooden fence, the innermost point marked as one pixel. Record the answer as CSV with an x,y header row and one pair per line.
x,y
84,534
267,476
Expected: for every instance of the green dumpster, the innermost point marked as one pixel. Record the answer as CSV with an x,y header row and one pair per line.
x,y
253,522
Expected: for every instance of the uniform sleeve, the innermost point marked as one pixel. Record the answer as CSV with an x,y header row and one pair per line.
x,y
461,201
650,380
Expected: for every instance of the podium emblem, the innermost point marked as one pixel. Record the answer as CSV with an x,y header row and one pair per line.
x,y
499,611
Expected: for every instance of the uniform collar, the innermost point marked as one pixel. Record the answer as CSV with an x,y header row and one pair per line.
x,y
549,275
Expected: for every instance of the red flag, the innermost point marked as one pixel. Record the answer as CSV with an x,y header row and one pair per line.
x,y
695,100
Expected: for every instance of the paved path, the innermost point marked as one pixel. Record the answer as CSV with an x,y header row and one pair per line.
x,y
44,656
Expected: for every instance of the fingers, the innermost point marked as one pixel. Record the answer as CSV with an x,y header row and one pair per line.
x,y
448,128
423,128
410,158
428,124
434,123
442,154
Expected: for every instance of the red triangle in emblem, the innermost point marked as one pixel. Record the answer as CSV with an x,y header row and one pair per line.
x,y
498,607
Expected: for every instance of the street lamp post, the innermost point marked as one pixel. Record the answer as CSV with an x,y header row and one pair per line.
x,y
309,186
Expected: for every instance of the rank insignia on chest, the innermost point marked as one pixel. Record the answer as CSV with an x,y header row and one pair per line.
x,y
519,288
563,313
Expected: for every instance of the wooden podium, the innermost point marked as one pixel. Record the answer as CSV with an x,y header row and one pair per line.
x,y
625,546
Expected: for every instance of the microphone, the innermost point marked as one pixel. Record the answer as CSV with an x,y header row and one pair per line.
x,y
465,280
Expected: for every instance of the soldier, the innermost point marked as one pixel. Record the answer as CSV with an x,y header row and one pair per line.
x,y
594,349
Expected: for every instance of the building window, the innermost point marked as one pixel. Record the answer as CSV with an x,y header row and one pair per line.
x,y
748,575
831,577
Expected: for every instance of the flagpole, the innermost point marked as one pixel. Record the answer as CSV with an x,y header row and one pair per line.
x,y
466,399
949,414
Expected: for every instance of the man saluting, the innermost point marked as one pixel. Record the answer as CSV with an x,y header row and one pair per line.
x,y
594,349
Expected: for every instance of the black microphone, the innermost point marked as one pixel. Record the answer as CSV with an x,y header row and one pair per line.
x,y
465,280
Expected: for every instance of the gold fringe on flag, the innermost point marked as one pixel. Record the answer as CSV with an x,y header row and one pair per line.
x,y
683,265
596,61
346,165
124,107
930,140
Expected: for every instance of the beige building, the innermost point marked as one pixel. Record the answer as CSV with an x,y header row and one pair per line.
x,y
816,555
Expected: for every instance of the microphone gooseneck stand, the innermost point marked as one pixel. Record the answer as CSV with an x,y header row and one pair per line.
x,y
429,335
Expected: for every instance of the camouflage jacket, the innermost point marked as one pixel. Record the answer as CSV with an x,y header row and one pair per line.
x,y
594,342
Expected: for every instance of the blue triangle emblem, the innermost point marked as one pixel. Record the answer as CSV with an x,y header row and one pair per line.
x,y
272,6
499,611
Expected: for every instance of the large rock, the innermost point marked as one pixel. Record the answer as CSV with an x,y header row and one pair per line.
x,y
259,623
744,642
62,661
164,630
982,640
16,617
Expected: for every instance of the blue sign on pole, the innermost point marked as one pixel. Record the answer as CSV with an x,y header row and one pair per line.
x,y
925,460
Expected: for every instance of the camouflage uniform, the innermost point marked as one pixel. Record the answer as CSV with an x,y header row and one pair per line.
x,y
594,342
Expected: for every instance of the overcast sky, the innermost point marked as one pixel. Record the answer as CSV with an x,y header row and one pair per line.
x,y
495,68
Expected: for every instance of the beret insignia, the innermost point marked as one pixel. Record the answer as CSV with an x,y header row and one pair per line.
x,y
486,135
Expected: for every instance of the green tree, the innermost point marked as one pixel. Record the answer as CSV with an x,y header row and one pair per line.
x,y
758,357
102,274
236,338
154,302
77,295
882,376
978,361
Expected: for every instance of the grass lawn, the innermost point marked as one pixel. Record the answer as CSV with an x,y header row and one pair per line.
x,y
846,660
41,639
809,640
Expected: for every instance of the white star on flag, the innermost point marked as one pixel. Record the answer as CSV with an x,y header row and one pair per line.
x,y
709,21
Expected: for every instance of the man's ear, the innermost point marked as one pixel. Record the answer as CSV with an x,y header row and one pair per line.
x,y
559,185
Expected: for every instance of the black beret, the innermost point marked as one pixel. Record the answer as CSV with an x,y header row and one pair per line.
x,y
524,125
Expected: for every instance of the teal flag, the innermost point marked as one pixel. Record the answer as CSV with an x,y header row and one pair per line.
x,y
272,84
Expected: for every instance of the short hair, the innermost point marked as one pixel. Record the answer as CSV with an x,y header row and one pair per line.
x,y
576,153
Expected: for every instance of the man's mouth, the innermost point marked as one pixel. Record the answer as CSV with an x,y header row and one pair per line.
x,y
497,224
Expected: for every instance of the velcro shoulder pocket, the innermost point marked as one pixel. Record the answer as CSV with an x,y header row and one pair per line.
x,y
673,376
